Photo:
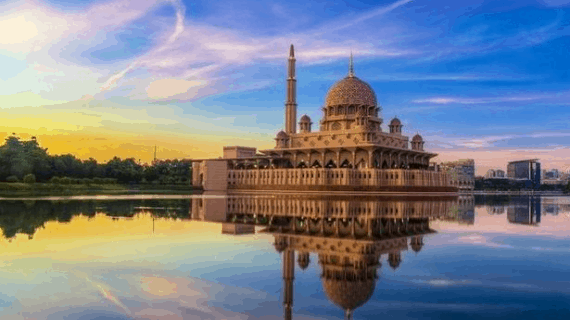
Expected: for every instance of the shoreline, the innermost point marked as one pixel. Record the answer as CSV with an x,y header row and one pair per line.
x,y
518,193
37,190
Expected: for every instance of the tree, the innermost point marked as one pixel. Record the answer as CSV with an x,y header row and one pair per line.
x,y
30,178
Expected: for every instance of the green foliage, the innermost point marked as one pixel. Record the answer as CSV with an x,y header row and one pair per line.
x,y
12,179
65,180
30,178
20,158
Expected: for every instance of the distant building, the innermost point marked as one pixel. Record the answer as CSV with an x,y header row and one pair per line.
x,y
495,174
525,170
462,170
234,152
551,174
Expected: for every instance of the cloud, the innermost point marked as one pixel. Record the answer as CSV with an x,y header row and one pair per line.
x,y
485,100
203,52
165,88
362,18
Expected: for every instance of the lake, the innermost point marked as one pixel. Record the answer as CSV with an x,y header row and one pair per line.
x,y
285,256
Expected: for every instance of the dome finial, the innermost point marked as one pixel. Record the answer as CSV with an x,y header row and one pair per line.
x,y
351,66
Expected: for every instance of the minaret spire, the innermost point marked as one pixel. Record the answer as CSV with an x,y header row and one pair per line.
x,y
351,66
291,103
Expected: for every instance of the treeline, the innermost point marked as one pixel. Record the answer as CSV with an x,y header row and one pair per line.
x,y
27,216
27,160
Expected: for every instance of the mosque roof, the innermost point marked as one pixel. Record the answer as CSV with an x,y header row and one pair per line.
x,y
417,138
305,118
351,91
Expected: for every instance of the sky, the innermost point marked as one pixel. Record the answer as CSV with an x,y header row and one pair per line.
x,y
486,80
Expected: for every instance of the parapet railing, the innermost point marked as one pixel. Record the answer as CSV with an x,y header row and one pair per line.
x,y
340,176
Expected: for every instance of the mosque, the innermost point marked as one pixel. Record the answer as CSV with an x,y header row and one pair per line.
x,y
350,151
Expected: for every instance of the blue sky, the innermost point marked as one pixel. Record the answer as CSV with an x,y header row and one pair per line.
x,y
487,80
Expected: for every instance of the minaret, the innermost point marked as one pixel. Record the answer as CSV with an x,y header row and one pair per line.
x,y
291,103
288,277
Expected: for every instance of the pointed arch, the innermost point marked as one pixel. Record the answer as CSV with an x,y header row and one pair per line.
x,y
330,164
316,164
345,164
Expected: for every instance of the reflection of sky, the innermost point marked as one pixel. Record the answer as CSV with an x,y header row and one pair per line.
x,y
188,270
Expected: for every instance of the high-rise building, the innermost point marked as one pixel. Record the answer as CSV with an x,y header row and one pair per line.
x,y
463,171
525,170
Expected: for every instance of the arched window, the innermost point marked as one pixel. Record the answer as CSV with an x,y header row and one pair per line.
x,y
351,110
336,126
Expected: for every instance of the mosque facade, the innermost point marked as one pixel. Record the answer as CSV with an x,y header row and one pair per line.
x,y
350,151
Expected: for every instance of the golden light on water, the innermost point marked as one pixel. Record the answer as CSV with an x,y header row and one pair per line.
x,y
85,238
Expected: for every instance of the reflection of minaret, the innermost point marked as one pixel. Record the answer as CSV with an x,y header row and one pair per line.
x,y
288,277
288,259
291,103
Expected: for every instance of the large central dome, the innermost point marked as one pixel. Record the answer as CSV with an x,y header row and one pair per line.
x,y
351,91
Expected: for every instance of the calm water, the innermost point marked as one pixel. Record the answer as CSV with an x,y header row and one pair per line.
x,y
286,256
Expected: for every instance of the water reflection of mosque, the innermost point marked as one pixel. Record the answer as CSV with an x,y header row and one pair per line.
x,y
348,235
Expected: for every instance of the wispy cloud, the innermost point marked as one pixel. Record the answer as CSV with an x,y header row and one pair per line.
x,y
208,53
458,100
362,18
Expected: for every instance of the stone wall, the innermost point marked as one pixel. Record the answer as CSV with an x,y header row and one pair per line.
x,y
210,175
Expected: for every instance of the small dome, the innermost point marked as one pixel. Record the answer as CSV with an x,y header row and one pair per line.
x,y
351,91
417,138
282,135
394,260
305,118
280,244
303,260
348,295
417,244
395,122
